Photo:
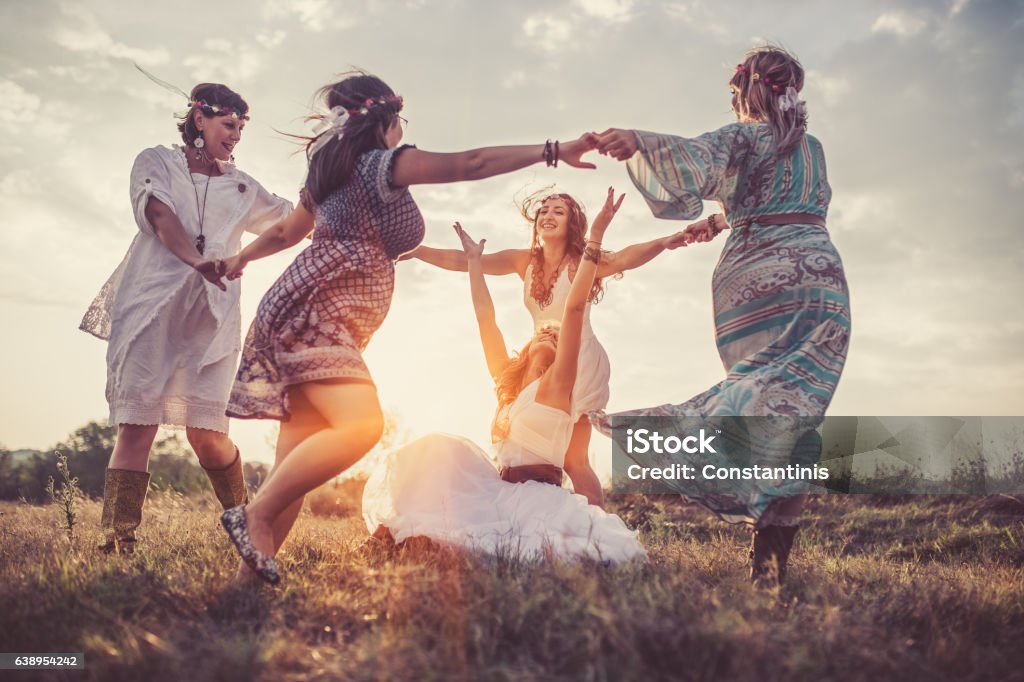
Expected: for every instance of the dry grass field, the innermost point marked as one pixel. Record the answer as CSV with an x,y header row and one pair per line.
x,y
881,588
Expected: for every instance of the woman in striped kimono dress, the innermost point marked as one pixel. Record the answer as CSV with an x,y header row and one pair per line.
x,y
781,304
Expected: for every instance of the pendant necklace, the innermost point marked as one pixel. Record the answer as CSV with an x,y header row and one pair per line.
x,y
200,211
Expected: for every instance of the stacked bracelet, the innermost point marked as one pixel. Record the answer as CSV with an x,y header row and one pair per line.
x,y
715,229
551,154
592,254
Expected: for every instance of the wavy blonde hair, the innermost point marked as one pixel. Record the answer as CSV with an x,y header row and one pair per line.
x,y
765,74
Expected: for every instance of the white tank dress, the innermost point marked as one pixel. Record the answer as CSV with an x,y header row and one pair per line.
x,y
593,371
448,489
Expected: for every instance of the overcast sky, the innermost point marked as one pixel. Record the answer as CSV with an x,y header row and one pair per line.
x,y
919,105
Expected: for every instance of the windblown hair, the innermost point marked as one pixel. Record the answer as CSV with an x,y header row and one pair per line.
x,y
332,166
510,382
541,286
217,95
765,74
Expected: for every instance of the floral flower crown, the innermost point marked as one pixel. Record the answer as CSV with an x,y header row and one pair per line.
x,y
332,124
788,99
215,109
369,103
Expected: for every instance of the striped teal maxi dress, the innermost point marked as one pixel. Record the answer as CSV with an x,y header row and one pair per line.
x,y
781,303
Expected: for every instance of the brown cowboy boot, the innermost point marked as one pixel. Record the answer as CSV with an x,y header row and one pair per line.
x,y
124,493
769,554
229,484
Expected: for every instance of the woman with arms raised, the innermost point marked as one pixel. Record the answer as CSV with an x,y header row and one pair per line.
x,y
547,268
445,488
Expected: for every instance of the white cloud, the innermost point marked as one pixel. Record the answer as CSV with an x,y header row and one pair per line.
x,y
225,62
315,15
900,23
270,39
17,105
548,32
88,36
609,10
514,79
833,89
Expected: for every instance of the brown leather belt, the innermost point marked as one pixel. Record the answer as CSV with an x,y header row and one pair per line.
x,y
781,219
545,473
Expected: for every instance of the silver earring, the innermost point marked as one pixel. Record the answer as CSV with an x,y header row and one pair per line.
x,y
199,142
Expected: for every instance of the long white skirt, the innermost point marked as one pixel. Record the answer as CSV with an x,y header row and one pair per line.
x,y
446,488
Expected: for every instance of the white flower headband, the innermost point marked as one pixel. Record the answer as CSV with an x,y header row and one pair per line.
x,y
332,124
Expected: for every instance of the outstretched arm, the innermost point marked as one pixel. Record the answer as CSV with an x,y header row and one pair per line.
x,y
493,342
557,383
416,167
635,255
499,263
172,235
280,236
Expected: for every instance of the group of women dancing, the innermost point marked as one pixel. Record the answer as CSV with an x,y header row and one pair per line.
x,y
171,316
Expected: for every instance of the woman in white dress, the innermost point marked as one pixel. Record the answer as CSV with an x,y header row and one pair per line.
x,y
547,269
447,489
172,324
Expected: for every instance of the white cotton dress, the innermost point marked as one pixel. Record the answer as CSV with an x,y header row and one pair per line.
x,y
173,337
447,489
593,371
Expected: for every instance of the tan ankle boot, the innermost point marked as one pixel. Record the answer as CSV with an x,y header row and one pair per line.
x,y
124,493
229,484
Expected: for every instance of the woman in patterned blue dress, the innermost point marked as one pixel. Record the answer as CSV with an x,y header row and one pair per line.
x,y
782,314
302,362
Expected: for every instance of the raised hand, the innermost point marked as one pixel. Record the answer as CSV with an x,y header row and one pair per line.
x,y
210,270
607,212
618,143
473,249
570,152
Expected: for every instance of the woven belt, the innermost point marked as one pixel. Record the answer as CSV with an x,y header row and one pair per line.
x,y
780,219
545,473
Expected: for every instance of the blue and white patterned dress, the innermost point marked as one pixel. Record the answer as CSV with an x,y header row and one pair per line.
x,y
782,312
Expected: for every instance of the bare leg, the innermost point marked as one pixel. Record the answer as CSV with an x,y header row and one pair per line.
x,y
305,421
213,448
131,451
577,464
354,425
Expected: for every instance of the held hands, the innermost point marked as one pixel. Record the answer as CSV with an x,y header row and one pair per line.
x,y
617,143
570,152
210,270
705,230
232,267
473,249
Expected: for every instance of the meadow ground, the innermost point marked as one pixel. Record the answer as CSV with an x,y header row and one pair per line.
x,y
880,588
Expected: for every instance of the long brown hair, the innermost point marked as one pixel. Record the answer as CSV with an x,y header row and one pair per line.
x,y
541,287
331,166
765,74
